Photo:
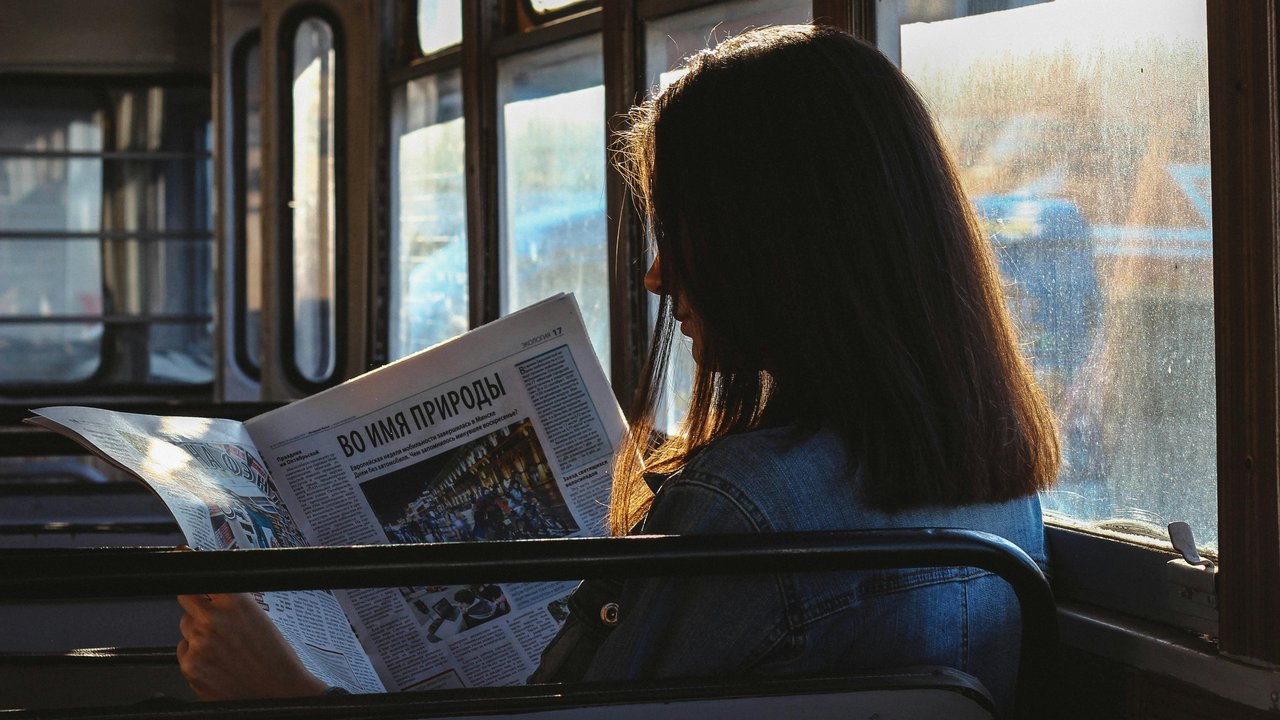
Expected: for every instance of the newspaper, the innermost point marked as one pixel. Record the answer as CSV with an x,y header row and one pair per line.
x,y
505,432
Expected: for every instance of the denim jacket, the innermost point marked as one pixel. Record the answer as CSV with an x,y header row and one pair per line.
x,y
779,480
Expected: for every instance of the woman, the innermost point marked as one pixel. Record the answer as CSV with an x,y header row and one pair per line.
x,y
856,368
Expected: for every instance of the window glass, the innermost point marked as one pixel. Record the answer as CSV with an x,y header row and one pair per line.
x,y
1081,132
50,279
43,285
51,193
552,163
105,243
429,277
439,24
542,7
314,202
668,41
163,283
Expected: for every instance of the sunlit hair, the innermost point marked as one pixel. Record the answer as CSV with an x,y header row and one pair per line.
x,y
806,213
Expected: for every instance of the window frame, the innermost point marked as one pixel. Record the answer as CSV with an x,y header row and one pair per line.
x,y
540,17
250,366
572,50
103,382
286,37
394,240
1243,91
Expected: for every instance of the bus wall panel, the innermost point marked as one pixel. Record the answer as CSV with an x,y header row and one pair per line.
x,y
105,36
1091,686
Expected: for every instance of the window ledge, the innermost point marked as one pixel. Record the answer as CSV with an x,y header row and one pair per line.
x,y
1156,648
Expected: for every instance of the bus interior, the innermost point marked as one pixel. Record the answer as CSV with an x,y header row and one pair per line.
x,y
211,208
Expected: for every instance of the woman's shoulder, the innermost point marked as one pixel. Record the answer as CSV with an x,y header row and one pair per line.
x,y
765,453
764,477
785,479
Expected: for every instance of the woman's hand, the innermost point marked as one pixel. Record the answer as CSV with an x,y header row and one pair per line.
x,y
231,650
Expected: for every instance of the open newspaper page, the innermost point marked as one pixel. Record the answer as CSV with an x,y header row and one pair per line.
x,y
506,432
216,485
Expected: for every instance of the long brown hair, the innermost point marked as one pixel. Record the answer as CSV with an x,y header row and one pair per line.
x,y
807,214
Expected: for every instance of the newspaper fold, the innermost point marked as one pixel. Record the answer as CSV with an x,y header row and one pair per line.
x,y
505,432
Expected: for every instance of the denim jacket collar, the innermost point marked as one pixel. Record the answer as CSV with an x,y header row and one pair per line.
x,y
655,479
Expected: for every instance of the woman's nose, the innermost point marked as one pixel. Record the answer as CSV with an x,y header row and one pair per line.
x,y
653,278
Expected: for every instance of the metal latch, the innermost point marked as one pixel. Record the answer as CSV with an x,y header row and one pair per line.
x,y
1192,581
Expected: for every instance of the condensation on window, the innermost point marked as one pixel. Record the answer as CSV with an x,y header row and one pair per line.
x,y
314,201
429,298
1080,129
552,165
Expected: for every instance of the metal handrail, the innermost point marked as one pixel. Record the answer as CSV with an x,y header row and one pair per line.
x,y
27,575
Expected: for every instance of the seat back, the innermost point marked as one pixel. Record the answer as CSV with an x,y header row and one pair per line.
x,y
133,679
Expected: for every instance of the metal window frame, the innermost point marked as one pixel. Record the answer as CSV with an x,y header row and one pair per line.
x,y
238,227
286,37
540,17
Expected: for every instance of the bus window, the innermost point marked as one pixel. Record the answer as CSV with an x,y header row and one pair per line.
x,y
439,24
552,196
41,192
1081,131
105,242
668,41
314,201
429,277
